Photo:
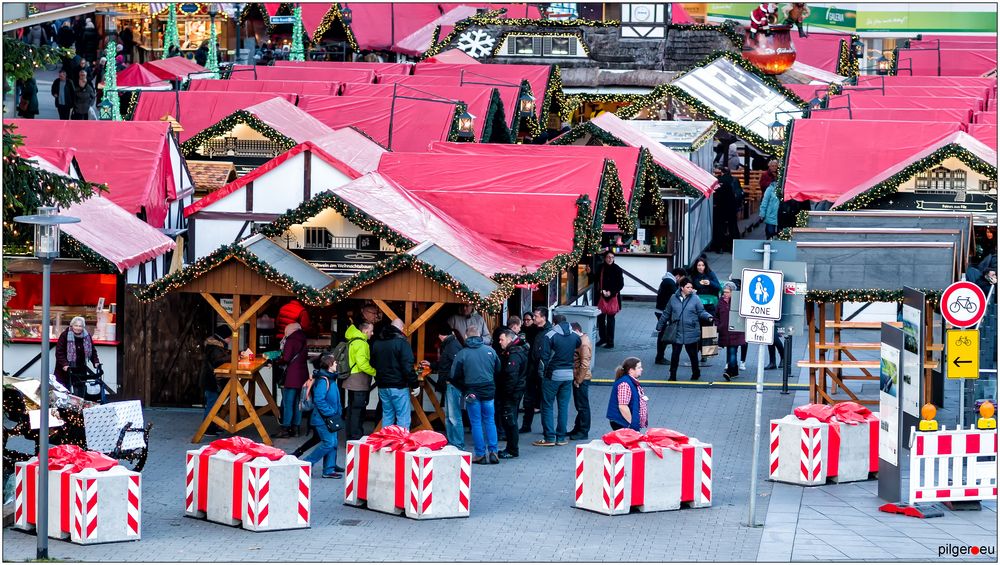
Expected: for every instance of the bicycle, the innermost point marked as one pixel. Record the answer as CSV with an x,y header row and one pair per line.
x,y
963,341
962,302
758,327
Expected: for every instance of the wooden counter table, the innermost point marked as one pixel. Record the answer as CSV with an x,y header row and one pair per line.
x,y
237,416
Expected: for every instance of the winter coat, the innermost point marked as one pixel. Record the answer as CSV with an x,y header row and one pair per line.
x,y
67,95
668,286
295,359
463,323
66,37
326,398
62,357
727,338
708,294
291,311
450,347
689,313
88,44
359,357
393,360
769,205
215,356
35,36
610,278
476,369
514,370
83,98
558,347
581,360
536,363
29,90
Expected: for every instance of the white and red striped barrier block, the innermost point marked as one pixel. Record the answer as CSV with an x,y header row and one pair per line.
x,y
809,452
612,479
422,484
965,464
86,506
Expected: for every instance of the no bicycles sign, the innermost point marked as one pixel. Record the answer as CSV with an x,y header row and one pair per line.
x,y
963,304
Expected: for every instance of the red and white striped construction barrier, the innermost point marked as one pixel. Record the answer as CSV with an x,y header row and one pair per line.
x,y
805,450
92,499
953,465
412,474
662,473
235,481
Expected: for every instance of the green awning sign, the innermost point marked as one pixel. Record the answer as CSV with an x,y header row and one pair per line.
x,y
904,19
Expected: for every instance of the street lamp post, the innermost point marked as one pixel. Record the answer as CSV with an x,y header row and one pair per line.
x,y
46,224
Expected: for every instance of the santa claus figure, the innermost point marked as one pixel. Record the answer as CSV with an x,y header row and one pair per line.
x,y
761,18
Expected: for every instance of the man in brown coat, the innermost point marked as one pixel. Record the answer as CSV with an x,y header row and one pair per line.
x,y
581,384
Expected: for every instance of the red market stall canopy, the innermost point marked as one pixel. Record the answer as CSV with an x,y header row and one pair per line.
x,y
820,50
422,39
279,86
946,62
986,133
138,76
453,57
985,117
898,114
174,68
905,80
414,123
685,172
378,68
61,158
292,124
980,91
827,156
987,156
309,74
954,41
540,77
198,109
353,148
869,100
134,159
115,234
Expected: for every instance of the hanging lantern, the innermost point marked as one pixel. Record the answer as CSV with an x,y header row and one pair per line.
x,y
466,123
776,132
859,48
773,52
526,104
883,66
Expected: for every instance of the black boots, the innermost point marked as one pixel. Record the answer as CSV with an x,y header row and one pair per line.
x,y
288,431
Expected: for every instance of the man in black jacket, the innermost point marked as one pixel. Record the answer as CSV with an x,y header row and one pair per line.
x,y
557,348
474,372
533,387
62,92
510,386
394,374
668,287
216,353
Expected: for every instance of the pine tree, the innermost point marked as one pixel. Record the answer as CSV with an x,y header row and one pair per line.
x,y
297,53
111,81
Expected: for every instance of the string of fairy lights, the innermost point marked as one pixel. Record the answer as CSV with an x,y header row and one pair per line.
x,y
226,125
509,34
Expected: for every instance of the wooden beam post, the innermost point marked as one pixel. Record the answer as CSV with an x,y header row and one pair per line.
x,y
419,322
385,309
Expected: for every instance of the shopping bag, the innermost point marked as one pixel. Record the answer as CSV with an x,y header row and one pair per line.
x,y
709,341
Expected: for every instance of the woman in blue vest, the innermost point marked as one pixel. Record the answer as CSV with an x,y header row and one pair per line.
x,y
627,404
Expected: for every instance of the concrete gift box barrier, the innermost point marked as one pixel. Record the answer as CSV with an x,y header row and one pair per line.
x,y
612,479
422,484
87,506
809,452
258,494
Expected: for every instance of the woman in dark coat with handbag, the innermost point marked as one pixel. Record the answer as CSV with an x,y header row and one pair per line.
x,y
294,358
610,282
731,340
680,324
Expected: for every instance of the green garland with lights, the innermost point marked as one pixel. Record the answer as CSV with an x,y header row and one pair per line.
x,y
727,28
634,102
71,247
738,60
170,37
732,127
891,185
847,63
802,219
622,211
225,125
784,235
334,15
869,295
496,105
297,51
132,103
503,36
894,63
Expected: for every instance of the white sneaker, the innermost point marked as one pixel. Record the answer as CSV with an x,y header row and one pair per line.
x,y
743,366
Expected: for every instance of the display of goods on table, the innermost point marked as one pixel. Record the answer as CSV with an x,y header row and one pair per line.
x,y
417,474
659,470
239,482
819,442
92,499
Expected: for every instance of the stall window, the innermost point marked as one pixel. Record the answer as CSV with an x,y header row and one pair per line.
x,y
317,238
524,45
986,185
560,46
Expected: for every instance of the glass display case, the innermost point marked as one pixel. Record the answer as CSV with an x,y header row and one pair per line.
x,y
27,324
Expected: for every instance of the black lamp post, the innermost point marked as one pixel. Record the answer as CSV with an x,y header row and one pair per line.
x,y
466,121
46,224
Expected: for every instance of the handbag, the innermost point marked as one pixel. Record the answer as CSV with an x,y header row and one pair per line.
x,y
669,334
23,104
333,423
608,306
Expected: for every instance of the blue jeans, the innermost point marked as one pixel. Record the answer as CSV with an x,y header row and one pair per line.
x,y
453,426
211,397
326,450
552,392
290,415
395,406
481,417
732,360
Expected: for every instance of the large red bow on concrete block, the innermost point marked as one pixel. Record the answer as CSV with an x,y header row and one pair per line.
x,y
656,438
847,412
241,445
75,456
398,438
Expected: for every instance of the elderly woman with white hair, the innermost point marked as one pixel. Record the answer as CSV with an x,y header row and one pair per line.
x,y
74,348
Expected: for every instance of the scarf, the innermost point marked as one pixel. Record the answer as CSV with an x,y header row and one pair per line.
x,y
88,346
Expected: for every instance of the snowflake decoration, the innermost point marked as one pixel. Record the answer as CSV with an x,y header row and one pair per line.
x,y
477,43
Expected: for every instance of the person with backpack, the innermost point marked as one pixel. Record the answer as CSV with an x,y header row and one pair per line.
x,y
326,417
359,370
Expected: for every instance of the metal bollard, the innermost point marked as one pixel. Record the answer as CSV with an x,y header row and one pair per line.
x,y
786,364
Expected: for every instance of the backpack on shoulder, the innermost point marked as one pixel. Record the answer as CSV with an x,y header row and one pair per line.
x,y
342,354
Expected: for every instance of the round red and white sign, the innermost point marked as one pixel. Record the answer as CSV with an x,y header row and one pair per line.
x,y
963,304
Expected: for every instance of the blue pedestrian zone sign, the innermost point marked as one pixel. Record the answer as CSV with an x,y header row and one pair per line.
x,y
760,296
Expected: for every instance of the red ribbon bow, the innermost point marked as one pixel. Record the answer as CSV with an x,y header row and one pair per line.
x,y
241,445
398,438
655,438
847,412
74,456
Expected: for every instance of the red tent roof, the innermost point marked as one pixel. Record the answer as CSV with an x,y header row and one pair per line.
x,y
289,120
115,234
988,117
820,50
198,109
874,99
59,157
353,148
906,80
953,62
267,167
379,68
304,73
827,157
422,39
536,75
378,26
453,57
174,68
415,123
282,86
490,192
138,75
973,91
962,115
702,180
132,158
986,154
986,133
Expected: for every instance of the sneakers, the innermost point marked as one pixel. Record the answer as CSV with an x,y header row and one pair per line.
x,y
743,366
494,458
727,377
543,443
562,441
577,436
333,476
484,460
506,455
338,469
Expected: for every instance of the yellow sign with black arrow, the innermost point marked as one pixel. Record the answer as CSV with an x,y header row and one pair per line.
x,y
963,354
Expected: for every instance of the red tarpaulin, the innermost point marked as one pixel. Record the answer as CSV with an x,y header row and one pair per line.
x,y
699,179
955,41
422,39
137,76
986,117
309,74
415,123
904,80
378,26
281,86
289,120
478,99
826,157
820,50
953,62
498,190
537,76
441,80
114,234
198,109
174,68
132,158
987,133
897,114
379,68
986,154
980,91
808,91
352,148
60,158
874,99
452,57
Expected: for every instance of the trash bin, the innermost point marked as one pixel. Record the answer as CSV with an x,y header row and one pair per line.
x,y
586,316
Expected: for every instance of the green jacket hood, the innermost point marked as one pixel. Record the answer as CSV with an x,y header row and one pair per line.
x,y
354,333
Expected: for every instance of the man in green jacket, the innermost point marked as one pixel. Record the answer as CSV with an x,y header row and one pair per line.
x,y
359,383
